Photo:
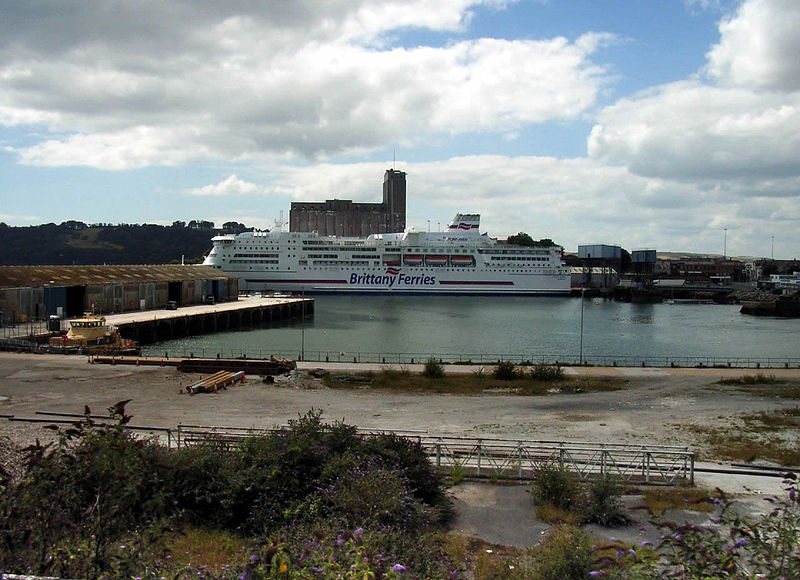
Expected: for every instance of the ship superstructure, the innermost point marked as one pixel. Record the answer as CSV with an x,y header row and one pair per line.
x,y
459,260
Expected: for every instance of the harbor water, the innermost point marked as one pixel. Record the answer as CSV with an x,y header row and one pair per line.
x,y
537,329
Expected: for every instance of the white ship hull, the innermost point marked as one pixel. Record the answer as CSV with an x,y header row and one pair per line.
x,y
458,261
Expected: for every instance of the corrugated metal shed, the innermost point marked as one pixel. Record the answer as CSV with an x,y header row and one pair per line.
x,y
38,276
600,252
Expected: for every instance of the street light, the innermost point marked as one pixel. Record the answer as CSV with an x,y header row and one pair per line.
x,y
303,325
583,290
772,249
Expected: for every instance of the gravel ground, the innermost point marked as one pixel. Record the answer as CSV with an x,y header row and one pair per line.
x,y
655,407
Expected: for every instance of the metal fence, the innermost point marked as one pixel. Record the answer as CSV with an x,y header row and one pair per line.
x,y
645,464
510,459
405,358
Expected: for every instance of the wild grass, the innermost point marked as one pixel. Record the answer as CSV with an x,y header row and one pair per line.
x,y
657,500
764,385
758,379
211,549
474,383
766,435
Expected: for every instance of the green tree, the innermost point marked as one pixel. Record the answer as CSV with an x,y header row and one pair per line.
x,y
521,239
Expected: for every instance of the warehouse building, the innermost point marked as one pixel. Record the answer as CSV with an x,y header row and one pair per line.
x,y
37,292
343,217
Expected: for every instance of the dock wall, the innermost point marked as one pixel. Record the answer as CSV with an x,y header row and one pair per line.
x,y
179,324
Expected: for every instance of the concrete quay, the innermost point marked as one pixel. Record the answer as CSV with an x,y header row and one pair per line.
x,y
150,326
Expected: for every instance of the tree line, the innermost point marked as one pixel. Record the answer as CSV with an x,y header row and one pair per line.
x,y
74,242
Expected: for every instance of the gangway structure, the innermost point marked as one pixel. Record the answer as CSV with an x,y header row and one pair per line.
x,y
510,458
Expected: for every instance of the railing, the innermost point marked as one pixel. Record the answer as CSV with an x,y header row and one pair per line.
x,y
406,358
15,338
645,464
510,459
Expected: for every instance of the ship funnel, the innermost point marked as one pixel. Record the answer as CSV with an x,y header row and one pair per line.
x,y
465,222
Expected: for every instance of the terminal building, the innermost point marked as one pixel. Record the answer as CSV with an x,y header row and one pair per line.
x,y
37,292
342,217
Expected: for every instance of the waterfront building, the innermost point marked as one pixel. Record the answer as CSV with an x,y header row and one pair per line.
x,y
345,218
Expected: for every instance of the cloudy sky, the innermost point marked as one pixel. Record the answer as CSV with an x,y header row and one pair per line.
x,y
672,125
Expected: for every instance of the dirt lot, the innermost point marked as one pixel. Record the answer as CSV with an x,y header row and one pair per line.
x,y
655,407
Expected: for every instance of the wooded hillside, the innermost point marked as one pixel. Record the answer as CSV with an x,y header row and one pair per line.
x,y
78,243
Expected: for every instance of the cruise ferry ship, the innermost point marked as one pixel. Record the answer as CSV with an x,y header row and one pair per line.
x,y
459,260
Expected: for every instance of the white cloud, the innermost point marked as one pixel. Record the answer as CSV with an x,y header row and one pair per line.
x,y
23,220
759,46
129,148
572,201
691,131
743,132
231,185
197,81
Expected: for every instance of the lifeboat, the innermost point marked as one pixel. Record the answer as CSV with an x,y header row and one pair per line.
x,y
434,260
412,259
391,259
462,260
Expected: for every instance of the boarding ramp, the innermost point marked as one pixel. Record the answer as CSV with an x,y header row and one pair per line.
x,y
507,458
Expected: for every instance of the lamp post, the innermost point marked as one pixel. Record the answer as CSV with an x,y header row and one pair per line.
x,y
583,290
772,249
303,325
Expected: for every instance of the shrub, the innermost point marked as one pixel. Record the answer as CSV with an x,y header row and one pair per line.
x,y
555,485
391,499
737,546
100,502
603,504
433,369
409,456
566,554
543,372
505,370
81,497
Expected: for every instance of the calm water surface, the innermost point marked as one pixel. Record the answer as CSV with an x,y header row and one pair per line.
x,y
522,327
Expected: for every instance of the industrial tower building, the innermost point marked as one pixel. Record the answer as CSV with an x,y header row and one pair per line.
x,y
342,217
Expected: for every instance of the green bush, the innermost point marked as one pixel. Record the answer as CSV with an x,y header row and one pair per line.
x,y
101,502
505,370
566,554
80,499
543,372
433,369
409,456
603,504
554,485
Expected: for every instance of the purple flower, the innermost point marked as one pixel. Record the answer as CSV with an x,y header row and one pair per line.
x,y
678,537
596,573
645,544
254,558
740,542
399,568
358,532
